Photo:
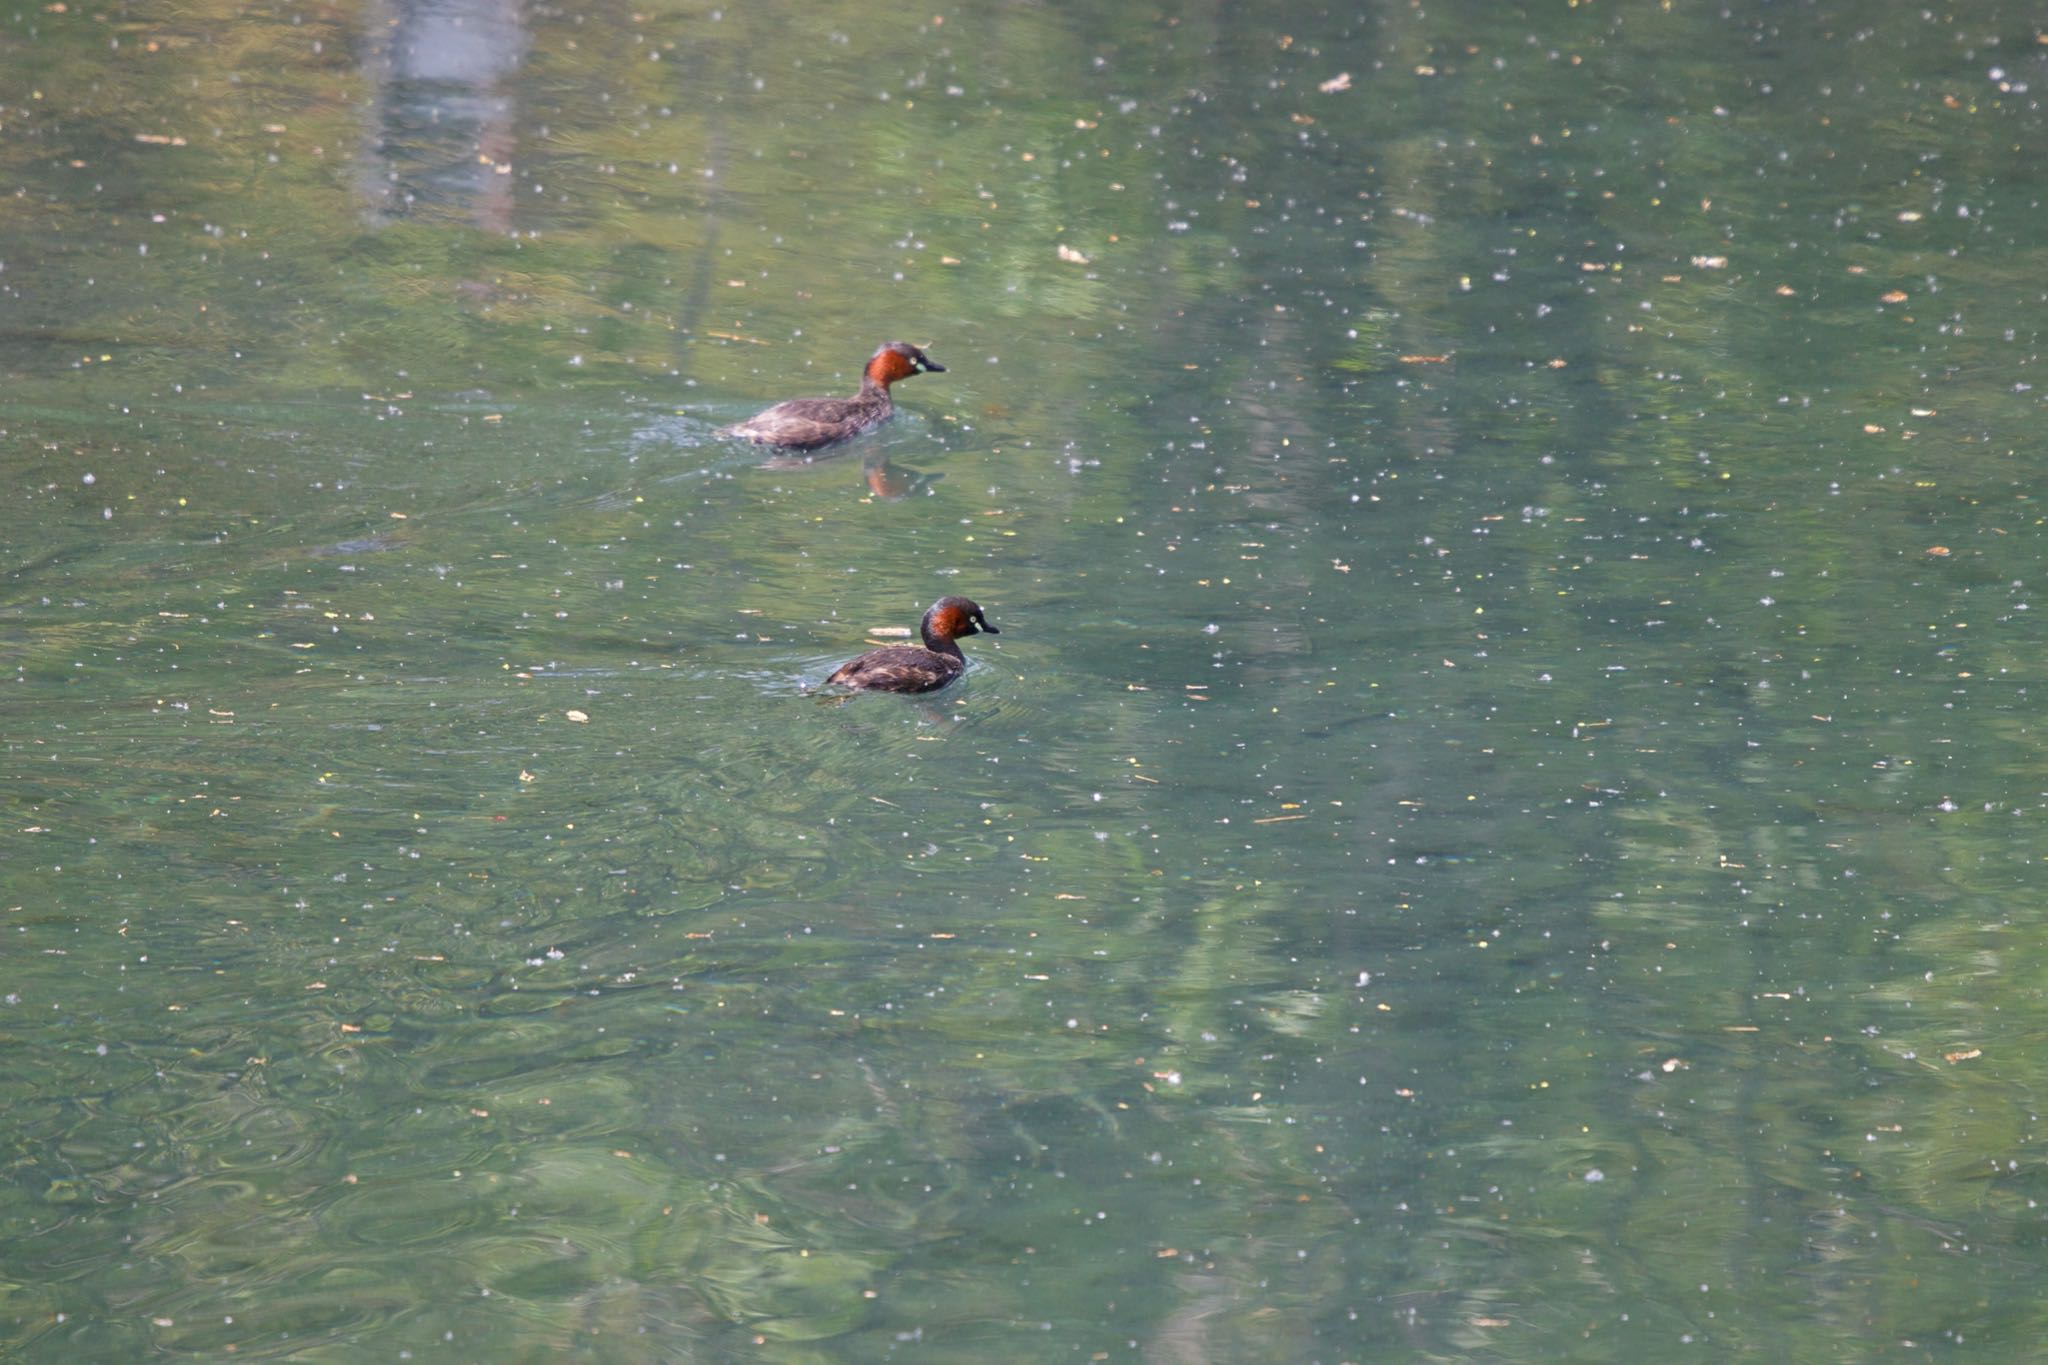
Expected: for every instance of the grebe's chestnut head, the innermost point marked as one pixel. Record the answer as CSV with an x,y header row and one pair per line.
x,y
950,618
900,360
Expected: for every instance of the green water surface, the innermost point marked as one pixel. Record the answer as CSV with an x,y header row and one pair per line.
x,y
1499,825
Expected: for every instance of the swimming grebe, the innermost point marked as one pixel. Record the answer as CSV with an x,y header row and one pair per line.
x,y
906,668
808,423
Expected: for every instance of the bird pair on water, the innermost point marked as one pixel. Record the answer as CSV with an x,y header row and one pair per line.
x,y
812,423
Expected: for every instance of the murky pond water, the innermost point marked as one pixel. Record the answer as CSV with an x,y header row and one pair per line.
x,y
1499,823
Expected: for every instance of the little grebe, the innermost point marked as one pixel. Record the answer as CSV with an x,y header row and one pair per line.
x,y
808,423
906,668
